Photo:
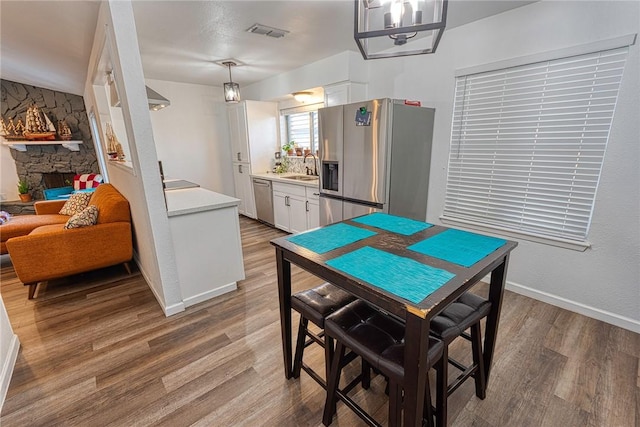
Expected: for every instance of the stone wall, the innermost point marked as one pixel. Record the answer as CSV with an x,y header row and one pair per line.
x,y
15,98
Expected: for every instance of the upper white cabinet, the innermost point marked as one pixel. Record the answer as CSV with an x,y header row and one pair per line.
x,y
253,130
344,93
238,133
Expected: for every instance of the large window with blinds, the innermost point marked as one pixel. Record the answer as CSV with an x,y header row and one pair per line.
x,y
528,142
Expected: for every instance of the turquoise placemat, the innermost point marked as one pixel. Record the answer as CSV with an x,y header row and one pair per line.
x,y
398,275
331,237
459,247
395,224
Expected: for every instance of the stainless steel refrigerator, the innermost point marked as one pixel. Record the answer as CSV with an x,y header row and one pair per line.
x,y
375,156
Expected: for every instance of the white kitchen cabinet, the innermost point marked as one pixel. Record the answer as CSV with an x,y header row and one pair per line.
x,y
344,93
253,133
238,133
295,207
253,130
313,208
244,189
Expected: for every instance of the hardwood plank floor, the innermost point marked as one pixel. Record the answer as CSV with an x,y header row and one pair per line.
x,y
97,350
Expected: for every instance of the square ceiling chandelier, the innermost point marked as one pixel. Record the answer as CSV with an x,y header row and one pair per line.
x,y
392,28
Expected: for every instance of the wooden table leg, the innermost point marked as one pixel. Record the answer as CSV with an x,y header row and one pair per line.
x,y
284,294
496,291
415,374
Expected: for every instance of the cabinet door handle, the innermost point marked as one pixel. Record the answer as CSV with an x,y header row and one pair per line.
x,y
306,205
316,194
240,168
239,158
286,201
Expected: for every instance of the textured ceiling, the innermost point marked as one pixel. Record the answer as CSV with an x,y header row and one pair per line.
x,y
47,43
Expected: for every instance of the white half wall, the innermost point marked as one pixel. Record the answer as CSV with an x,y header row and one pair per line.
x,y
192,135
9,346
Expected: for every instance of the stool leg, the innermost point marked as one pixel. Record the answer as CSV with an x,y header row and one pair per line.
x,y
478,360
442,383
329,350
427,410
395,403
332,384
302,334
366,375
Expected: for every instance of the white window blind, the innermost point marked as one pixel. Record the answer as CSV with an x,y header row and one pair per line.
x,y
527,144
303,129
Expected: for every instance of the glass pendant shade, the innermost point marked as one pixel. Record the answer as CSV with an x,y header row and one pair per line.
x,y
391,28
231,89
231,92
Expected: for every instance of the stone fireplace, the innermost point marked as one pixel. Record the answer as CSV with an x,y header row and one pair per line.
x,y
45,165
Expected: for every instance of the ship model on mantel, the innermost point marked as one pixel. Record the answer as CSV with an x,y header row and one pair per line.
x,y
37,127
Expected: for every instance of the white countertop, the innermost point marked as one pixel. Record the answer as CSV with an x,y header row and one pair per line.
x,y
279,177
192,200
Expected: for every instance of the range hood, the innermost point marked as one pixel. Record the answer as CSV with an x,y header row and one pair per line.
x,y
155,100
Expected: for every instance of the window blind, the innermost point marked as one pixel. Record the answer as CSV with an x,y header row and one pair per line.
x,y
303,129
527,144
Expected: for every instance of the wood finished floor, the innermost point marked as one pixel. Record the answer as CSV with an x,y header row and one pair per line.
x,y
97,350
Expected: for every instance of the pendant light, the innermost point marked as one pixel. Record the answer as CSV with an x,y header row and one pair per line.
x,y
231,89
392,28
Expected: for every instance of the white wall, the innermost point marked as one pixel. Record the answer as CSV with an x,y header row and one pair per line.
x,y
192,135
602,282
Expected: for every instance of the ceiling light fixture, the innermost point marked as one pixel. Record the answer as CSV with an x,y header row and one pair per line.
x,y
391,28
231,89
302,96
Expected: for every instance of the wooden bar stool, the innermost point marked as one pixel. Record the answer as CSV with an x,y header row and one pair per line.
x,y
466,312
379,339
315,305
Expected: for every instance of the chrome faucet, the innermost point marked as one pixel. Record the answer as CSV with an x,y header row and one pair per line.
x,y
315,166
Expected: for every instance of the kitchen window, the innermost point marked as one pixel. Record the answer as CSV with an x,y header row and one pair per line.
x,y
527,145
301,125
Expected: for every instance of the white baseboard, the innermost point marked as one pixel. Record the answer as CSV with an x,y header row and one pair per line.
x,y
188,302
168,310
7,368
596,313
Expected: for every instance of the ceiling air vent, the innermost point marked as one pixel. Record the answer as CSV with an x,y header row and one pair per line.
x,y
264,30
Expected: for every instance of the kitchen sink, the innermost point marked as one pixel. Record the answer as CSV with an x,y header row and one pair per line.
x,y
301,177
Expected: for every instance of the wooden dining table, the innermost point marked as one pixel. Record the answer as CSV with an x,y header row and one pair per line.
x,y
379,258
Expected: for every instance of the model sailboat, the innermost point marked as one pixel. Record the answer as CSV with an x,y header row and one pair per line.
x,y
38,126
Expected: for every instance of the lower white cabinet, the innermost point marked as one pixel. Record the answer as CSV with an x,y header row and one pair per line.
x,y
244,189
313,208
293,210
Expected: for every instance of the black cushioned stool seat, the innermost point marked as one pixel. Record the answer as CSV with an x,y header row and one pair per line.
x,y
379,339
466,312
315,304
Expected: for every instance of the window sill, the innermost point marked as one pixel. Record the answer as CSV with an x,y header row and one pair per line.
x,y
561,243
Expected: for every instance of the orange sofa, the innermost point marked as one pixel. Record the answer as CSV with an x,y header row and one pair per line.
x,y
50,252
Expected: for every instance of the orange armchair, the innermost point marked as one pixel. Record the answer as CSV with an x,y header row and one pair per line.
x,y
50,251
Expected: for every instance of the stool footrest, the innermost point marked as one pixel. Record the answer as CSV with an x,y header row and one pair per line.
x,y
467,371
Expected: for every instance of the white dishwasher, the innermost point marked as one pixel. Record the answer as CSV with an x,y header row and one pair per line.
x,y
263,194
